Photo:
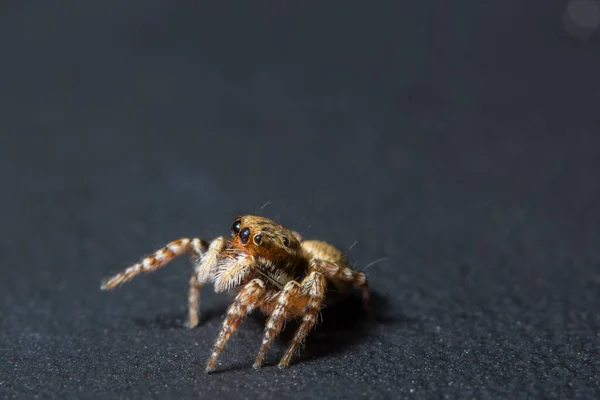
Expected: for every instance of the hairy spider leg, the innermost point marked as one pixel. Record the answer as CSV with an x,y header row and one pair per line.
x,y
288,295
305,297
334,271
314,287
197,247
247,299
156,260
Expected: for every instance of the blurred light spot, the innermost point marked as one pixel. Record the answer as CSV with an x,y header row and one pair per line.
x,y
582,17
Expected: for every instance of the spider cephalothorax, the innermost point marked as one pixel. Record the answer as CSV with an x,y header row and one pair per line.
x,y
270,268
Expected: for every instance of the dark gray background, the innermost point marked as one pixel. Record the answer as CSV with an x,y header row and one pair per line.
x,y
459,140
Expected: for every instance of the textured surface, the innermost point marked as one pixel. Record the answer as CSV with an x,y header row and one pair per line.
x,y
461,144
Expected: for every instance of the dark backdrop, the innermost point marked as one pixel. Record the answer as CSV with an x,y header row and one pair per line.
x,y
456,140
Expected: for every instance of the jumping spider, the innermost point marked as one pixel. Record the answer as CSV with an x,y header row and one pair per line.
x,y
270,268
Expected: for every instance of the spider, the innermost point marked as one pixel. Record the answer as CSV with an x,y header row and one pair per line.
x,y
270,268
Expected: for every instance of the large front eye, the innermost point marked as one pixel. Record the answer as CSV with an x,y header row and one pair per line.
x,y
235,228
244,235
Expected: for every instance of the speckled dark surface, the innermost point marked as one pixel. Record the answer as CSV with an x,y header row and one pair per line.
x,y
458,141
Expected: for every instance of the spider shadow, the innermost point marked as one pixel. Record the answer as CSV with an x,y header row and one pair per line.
x,y
341,326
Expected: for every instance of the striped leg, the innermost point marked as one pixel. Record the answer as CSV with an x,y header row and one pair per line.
x,y
334,271
197,247
313,286
194,302
287,296
157,260
247,299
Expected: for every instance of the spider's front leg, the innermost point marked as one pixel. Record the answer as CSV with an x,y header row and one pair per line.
x,y
281,312
206,255
309,296
158,259
250,297
314,286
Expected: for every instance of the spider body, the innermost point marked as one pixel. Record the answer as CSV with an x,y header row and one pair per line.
x,y
269,268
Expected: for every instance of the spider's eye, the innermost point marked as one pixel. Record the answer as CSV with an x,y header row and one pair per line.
x,y
257,238
286,242
235,228
244,235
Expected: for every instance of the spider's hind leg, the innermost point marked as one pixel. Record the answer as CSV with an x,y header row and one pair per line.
x,y
334,271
